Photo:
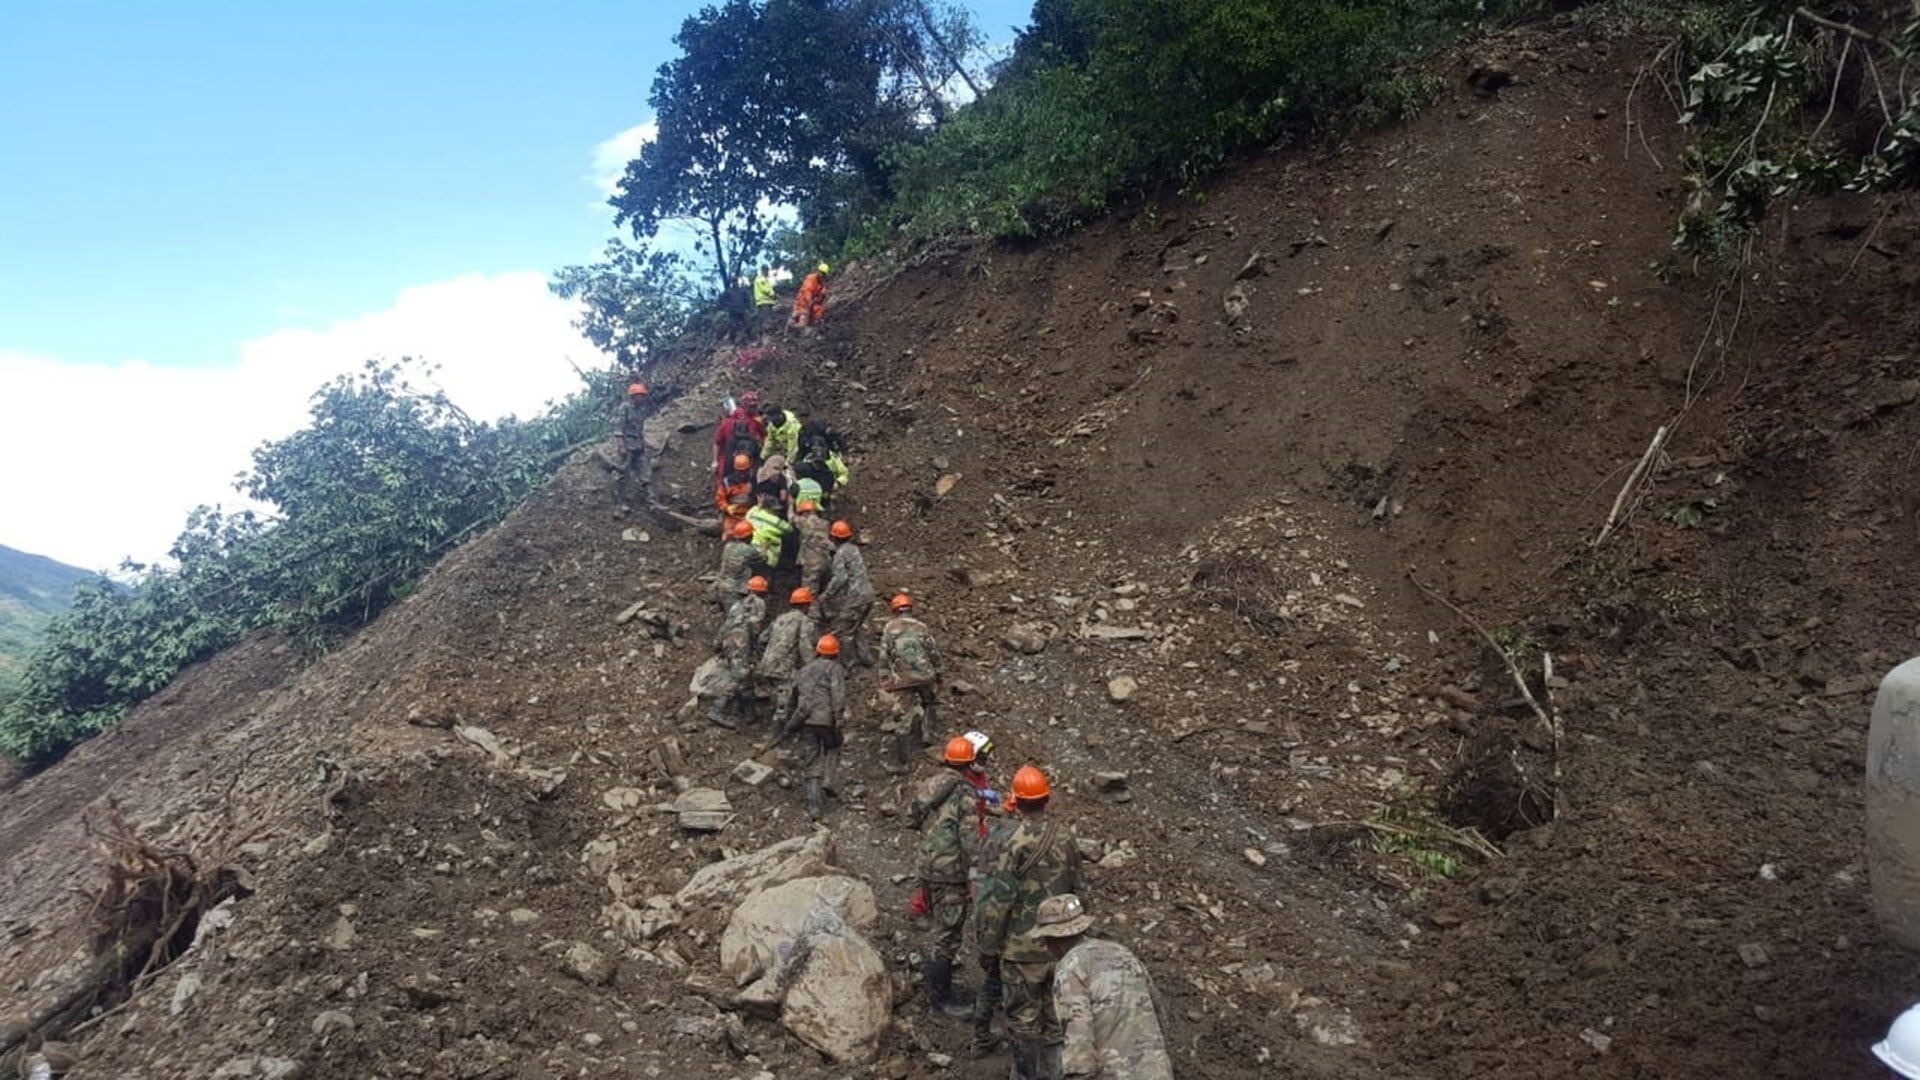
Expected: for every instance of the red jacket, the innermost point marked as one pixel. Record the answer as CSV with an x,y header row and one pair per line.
x,y
724,433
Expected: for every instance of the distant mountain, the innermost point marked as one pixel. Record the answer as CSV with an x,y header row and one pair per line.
x,y
33,589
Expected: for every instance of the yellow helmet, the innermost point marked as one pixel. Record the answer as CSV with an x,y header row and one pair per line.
x,y
825,269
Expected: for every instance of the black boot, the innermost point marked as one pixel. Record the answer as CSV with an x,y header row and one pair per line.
x,y
816,800
902,751
1030,1060
939,976
929,718
985,1004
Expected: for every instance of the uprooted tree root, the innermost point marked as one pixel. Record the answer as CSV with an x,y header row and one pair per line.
x,y
1247,589
142,917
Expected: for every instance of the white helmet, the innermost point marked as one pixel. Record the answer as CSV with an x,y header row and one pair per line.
x,y
981,744
1900,1050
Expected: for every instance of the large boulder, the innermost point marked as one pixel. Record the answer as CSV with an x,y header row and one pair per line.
x,y
760,939
840,999
726,881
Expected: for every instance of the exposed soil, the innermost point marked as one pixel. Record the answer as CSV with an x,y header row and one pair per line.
x,y
1445,364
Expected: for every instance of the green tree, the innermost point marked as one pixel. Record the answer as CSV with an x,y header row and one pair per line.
x,y
633,301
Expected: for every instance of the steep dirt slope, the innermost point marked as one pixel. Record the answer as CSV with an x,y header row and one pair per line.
x,y
1447,359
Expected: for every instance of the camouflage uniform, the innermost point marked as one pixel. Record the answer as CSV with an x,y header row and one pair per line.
x,y
945,808
1105,1002
847,601
819,705
736,566
790,642
906,647
734,644
816,550
1040,858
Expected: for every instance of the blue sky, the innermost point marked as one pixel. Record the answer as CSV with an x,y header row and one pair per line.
x,y
260,190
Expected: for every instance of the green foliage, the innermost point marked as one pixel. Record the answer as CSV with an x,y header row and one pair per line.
x,y
388,476
632,302
1426,842
1517,643
1762,101
33,590
1691,514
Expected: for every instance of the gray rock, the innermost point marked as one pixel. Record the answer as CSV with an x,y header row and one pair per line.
x,y
523,916
1029,639
1122,688
331,1021
588,964
752,773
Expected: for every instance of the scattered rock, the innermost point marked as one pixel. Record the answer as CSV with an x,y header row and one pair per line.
x,y
1349,599
588,964
340,937
1105,632
485,740
183,992
1122,688
623,799
1600,1043
728,880
703,810
523,916
760,937
1754,955
331,1021
1122,854
1255,856
600,856
1029,639
944,485
1110,781
1234,303
1255,266
632,610
752,773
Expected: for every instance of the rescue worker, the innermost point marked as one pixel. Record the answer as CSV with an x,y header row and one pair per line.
x,y
848,597
631,439
734,494
763,298
822,458
810,304
944,809
783,432
774,479
913,686
819,708
735,643
739,432
1040,858
816,545
770,530
790,642
737,565
1109,1019
807,489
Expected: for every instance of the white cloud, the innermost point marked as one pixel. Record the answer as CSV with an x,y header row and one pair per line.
x,y
610,156
103,461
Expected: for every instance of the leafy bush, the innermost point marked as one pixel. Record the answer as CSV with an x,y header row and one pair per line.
x,y
384,481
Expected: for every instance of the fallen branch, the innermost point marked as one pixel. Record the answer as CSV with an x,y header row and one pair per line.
x,y
1550,720
1467,839
1631,487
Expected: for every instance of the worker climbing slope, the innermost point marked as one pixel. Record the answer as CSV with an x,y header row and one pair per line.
x,y
735,644
739,561
810,304
848,597
913,683
819,708
1040,858
789,646
945,809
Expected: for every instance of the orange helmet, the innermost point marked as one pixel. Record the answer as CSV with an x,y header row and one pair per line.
x,y
636,389
842,531
959,750
900,602
808,506
757,584
741,463
1030,785
801,597
829,646
743,529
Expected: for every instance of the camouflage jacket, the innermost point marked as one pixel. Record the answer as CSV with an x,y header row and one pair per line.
x,y
944,809
848,588
1105,1001
1039,858
816,540
820,694
740,629
790,642
736,566
633,424
907,646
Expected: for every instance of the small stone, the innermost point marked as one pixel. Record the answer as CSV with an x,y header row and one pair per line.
x,y
945,484
1349,599
1255,856
1754,955
1029,639
273,1068
183,992
331,1021
631,536
523,916
340,938
1600,1043
940,1061
1122,688
1110,781
586,963
752,773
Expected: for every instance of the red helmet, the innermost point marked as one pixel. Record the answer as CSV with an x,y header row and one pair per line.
x,y
900,602
842,531
801,597
828,646
637,389
741,463
960,751
743,530
1030,785
757,584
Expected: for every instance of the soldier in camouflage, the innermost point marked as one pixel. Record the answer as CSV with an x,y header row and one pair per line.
x,y
1040,858
946,808
790,642
1104,999
735,644
738,560
816,546
848,599
631,440
819,708
913,664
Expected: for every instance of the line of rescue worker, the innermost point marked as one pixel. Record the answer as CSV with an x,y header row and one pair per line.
x,y
1075,1006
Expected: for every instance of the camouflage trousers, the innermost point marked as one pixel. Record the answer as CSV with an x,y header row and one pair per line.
x,y
813,573
1029,999
907,711
850,627
819,754
778,690
947,909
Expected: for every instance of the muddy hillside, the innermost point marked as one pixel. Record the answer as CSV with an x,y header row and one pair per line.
x,y
1185,498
